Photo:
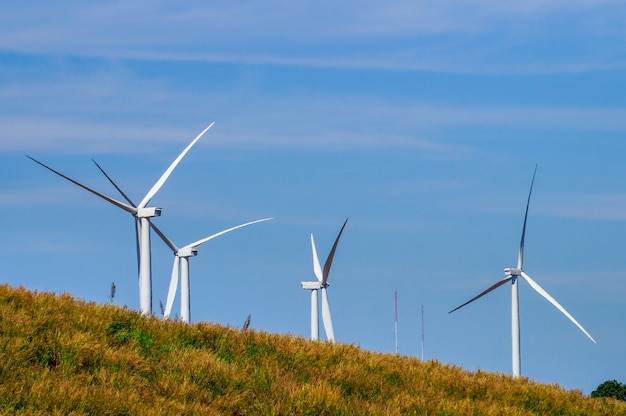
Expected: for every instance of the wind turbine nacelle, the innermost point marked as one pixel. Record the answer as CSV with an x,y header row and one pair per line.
x,y
311,285
512,271
187,252
148,212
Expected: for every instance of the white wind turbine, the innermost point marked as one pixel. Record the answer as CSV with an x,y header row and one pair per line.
x,y
181,263
142,213
321,284
512,275
181,258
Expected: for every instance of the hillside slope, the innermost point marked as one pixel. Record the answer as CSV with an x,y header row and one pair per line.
x,y
59,355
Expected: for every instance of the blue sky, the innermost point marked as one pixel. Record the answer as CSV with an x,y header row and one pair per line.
x,y
421,122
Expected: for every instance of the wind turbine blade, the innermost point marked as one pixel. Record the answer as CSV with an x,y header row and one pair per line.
x,y
520,257
115,185
204,240
166,240
171,294
170,169
331,255
317,269
497,285
137,221
328,323
117,203
550,299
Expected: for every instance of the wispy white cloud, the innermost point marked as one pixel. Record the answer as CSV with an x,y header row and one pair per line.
x,y
31,133
110,108
455,36
591,205
317,124
61,195
158,21
605,206
605,119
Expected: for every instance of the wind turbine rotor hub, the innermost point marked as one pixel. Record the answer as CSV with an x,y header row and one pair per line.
x,y
148,212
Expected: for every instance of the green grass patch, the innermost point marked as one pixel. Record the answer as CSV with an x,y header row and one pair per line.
x,y
59,355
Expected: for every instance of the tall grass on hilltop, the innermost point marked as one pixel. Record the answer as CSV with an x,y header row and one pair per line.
x,y
59,355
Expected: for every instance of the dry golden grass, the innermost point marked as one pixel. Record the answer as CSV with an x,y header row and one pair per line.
x,y
63,356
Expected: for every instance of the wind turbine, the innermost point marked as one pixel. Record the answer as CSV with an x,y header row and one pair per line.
x,y
321,284
181,258
142,213
512,275
181,262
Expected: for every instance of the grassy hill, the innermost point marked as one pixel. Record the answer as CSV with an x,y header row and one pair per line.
x,y
59,355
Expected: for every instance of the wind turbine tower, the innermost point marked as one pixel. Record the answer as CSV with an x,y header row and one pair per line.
x,y
422,332
395,304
